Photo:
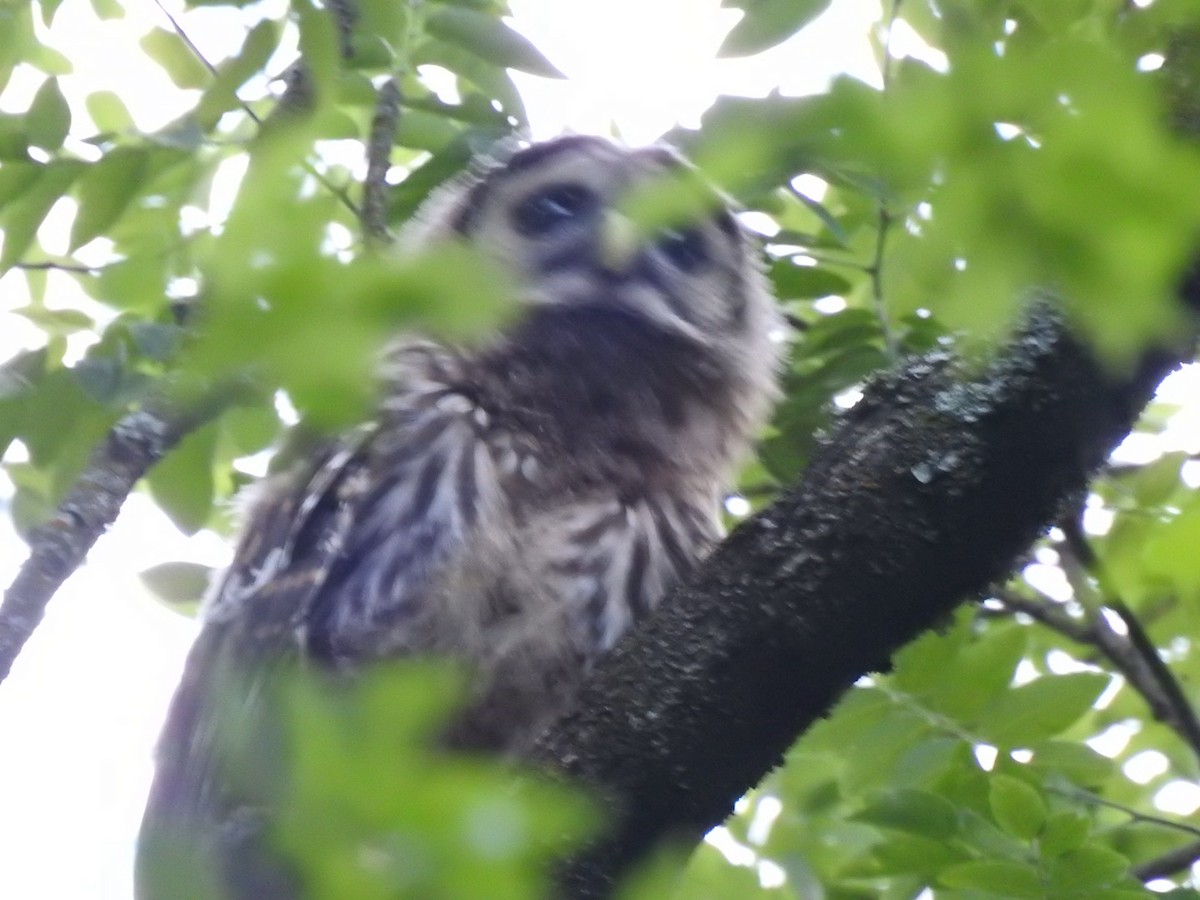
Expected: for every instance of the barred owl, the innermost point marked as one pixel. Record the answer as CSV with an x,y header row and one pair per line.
x,y
517,505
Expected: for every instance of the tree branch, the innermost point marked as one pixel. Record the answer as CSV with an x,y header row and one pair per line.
x,y
58,548
926,493
374,207
1169,703
1133,655
1169,863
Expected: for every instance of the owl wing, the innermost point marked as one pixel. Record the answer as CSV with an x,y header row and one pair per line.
x,y
221,734
338,552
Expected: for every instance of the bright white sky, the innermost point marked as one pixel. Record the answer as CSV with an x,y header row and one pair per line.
x,y
82,708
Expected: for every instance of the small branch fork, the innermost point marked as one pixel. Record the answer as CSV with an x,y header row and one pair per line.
x,y
1133,654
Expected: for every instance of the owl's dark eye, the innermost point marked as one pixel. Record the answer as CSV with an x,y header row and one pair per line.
x,y
552,207
686,250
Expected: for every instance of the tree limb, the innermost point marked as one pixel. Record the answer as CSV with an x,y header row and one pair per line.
x,y
1169,863
374,207
927,492
56,549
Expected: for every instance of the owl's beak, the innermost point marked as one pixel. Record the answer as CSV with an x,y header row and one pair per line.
x,y
618,242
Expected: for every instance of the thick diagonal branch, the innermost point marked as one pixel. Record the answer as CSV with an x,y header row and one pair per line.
x,y
926,493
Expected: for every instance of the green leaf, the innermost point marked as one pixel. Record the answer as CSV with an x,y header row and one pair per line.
x,y
911,811
37,280
49,61
709,874
108,9
106,379
319,46
766,23
1091,866
872,763
30,510
749,147
490,38
1056,15
61,427
980,673
384,19
437,170
1016,806
315,322
425,131
105,191
108,111
997,876
1170,550
362,777
180,585
135,284
221,94
1041,709
903,854
182,484
49,116
492,80
805,282
22,217
1077,761
1155,483
1064,831
155,340
14,138
57,321
16,178
369,51
171,52
251,428
49,8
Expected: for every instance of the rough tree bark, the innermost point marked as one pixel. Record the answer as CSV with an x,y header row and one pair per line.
x,y
928,491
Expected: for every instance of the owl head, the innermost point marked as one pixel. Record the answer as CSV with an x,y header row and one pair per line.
x,y
569,218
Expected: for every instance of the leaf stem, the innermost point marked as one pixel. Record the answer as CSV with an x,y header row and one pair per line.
x,y
298,82
885,218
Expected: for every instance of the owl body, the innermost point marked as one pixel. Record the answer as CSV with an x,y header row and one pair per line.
x,y
517,505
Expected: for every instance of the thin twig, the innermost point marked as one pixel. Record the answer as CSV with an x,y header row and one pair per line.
x,y
885,217
1147,672
297,96
183,36
373,214
138,441
1076,540
1049,613
1180,714
1136,660
796,323
1084,796
78,268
